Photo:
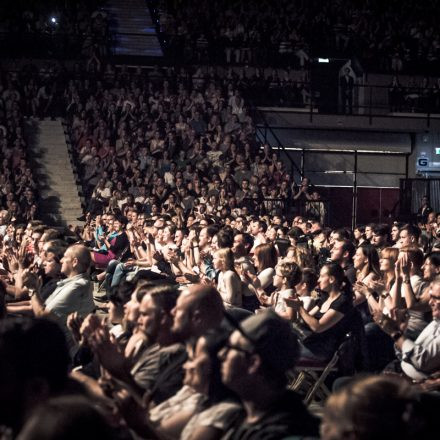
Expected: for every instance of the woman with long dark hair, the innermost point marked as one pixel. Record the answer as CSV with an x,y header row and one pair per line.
x,y
379,297
366,263
330,319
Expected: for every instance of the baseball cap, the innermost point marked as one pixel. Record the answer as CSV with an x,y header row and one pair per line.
x,y
272,338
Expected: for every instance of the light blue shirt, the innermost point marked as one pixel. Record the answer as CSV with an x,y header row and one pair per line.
x,y
73,294
421,357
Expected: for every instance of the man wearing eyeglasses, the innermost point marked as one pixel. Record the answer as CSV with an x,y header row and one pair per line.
x,y
254,365
420,358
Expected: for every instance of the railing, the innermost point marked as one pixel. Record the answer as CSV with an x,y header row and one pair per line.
x,y
411,193
365,100
262,132
153,7
319,209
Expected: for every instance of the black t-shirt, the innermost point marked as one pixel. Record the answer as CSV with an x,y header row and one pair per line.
x,y
288,417
350,273
324,344
121,243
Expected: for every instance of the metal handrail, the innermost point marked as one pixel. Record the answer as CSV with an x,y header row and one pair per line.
x,y
267,127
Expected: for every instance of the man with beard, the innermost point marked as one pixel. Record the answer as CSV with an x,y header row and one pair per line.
x,y
254,365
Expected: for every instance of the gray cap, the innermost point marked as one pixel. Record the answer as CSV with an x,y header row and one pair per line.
x,y
273,339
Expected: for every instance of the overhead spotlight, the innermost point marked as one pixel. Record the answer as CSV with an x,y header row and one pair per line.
x,y
53,20
323,60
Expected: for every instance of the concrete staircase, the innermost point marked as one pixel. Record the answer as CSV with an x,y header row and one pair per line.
x,y
61,203
133,29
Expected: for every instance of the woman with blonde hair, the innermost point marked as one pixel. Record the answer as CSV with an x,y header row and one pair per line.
x,y
300,255
287,276
228,283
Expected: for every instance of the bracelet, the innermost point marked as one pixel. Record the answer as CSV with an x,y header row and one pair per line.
x,y
407,280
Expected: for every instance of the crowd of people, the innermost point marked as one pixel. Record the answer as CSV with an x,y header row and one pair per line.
x,y
205,322
19,191
54,29
204,278
183,142
387,36
414,96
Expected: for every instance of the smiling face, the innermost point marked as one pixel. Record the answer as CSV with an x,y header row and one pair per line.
x,y
167,234
430,270
271,234
385,264
359,259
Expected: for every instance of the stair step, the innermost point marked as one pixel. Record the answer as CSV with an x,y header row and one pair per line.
x,y
134,17
62,193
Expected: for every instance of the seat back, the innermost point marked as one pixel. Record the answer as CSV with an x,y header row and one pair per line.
x,y
346,355
313,376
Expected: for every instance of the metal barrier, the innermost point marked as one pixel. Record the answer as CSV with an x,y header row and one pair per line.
x,y
319,209
366,100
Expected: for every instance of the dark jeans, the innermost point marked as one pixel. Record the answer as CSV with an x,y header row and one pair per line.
x,y
380,347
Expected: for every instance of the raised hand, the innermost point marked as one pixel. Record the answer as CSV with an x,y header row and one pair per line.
x,y
405,264
108,352
89,325
74,322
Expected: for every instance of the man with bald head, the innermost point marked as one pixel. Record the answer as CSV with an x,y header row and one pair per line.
x,y
198,309
72,294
